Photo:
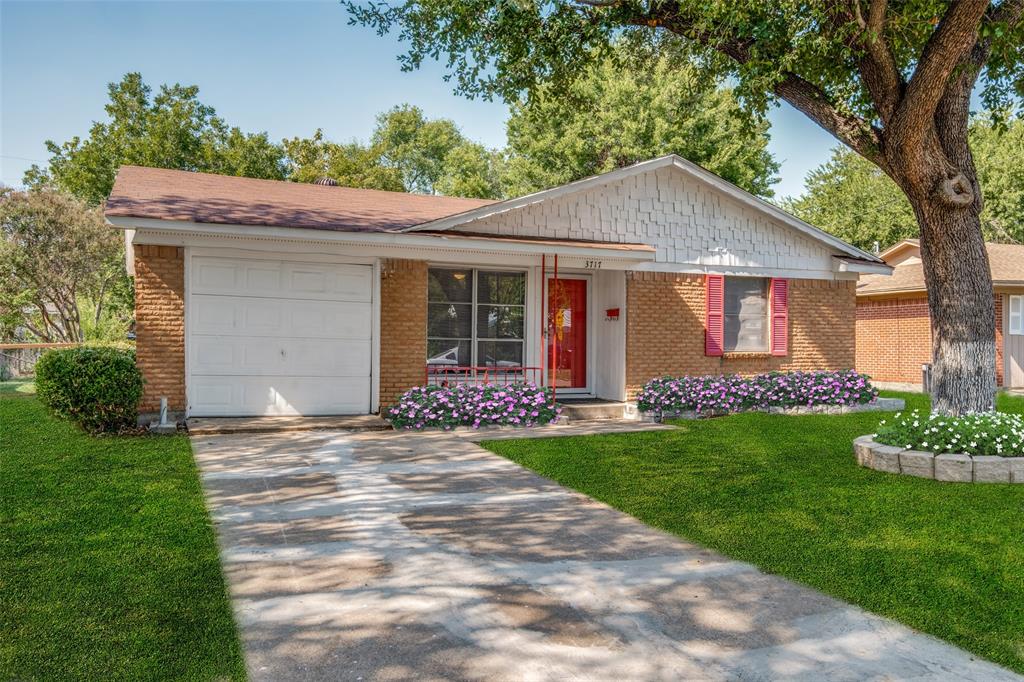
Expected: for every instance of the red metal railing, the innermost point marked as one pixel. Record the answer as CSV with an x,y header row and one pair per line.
x,y
447,375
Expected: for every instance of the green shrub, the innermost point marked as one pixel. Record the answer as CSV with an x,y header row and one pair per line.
x,y
98,388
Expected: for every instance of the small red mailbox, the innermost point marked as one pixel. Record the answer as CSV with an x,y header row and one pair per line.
x,y
611,314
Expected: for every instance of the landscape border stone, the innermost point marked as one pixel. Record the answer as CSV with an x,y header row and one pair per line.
x,y
878,405
948,467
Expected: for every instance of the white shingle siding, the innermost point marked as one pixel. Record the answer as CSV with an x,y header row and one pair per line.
x,y
687,221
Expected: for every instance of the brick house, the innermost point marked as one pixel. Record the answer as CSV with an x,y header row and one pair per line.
x,y
258,297
894,335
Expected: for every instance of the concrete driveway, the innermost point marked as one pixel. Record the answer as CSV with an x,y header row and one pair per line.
x,y
391,556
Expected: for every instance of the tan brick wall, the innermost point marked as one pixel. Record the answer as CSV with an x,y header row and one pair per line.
x,y
160,325
894,338
665,329
403,327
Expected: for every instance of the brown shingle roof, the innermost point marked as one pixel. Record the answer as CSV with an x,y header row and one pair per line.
x,y
1005,260
205,198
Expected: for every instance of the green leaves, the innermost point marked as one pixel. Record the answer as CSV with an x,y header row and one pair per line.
x,y
58,253
407,152
97,388
632,107
171,129
854,200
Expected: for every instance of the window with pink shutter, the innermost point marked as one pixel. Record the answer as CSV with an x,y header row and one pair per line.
x,y
780,316
714,315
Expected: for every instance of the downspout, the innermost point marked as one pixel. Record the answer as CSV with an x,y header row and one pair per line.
x,y
542,357
554,344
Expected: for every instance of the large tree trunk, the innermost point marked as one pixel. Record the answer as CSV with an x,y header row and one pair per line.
x,y
935,168
962,307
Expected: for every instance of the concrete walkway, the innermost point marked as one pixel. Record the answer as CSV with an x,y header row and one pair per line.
x,y
394,556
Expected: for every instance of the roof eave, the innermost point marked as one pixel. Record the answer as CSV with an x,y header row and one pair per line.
x,y
384,239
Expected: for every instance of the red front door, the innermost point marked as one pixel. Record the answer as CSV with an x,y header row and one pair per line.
x,y
567,337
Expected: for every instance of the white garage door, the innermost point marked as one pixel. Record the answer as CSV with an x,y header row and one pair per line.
x,y
270,337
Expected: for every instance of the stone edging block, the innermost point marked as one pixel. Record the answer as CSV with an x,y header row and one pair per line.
x,y
879,405
952,468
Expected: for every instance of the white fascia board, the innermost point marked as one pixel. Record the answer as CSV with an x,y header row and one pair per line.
x,y
129,252
384,240
860,267
743,271
692,169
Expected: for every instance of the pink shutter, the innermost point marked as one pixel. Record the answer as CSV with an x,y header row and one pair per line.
x,y
780,316
714,334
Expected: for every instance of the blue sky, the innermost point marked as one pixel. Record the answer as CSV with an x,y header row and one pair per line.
x,y
284,67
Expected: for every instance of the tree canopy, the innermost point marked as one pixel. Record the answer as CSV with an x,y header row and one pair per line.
x,y
171,129
63,273
854,200
407,152
635,107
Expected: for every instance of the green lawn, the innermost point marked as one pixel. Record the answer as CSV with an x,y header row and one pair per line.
x,y
17,387
784,493
108,563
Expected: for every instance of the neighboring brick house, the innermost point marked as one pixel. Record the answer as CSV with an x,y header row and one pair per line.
x,y
894,335
259,297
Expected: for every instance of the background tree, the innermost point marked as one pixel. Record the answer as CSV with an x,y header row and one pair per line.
x,y
407,152
854,200
171,129
891,81
62,271
632,108
350,165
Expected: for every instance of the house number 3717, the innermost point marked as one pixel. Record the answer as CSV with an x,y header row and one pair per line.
x,y
593,264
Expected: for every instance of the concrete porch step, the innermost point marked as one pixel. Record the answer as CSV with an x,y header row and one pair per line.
x,y
205,426
590,410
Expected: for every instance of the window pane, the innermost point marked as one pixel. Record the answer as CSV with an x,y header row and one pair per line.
x,y
455,286
450,352
499,353
746,314
499,322
501,287
451,320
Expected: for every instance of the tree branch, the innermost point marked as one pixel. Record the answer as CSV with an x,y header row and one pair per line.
x,y
877,64
947,47
807,97
852,130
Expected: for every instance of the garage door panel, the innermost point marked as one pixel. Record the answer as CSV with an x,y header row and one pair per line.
x,y
270,337
217,396
242,316
286,356
215,274
282,279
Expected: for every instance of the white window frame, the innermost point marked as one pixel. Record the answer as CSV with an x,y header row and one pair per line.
x,y
767,314
474,304
1015,310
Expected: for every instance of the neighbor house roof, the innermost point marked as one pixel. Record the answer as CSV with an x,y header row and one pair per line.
x,y
161,194
1005,260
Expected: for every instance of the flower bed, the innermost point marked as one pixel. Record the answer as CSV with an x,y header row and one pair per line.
x,y
446,407
708,395
984,433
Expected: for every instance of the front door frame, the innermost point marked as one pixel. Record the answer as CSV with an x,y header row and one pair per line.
x,y
588,390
